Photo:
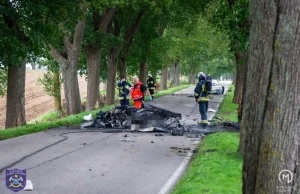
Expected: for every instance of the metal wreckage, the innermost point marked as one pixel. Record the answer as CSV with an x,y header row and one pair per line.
x,y
148,118
151,118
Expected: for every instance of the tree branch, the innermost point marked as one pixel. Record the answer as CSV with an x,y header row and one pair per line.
x,y
130,33
58,56
67,42
78,34
12,22
106,19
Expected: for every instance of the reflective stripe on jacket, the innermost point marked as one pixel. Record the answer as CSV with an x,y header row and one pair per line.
x,y
136,92
151,84
200,92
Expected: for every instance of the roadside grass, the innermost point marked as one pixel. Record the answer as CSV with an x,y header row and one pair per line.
x,y
217,167
228,110
50,116
53,119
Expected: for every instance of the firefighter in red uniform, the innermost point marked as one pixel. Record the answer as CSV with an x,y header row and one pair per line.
x,y
137,93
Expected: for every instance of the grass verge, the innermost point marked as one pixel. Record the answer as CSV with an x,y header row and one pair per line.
x,y
217,167
228,109
51,120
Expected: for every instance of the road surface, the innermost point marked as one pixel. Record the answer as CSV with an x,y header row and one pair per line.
x,y
79,162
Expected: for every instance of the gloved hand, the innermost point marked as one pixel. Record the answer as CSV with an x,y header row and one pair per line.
x,y
150,98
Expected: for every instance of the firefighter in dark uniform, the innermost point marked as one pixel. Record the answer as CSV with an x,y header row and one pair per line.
x,y
151,84
124,92
202,97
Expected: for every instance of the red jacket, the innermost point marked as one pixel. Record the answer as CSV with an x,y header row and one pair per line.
x,y
136,93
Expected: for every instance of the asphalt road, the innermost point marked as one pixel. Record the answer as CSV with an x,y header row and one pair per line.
x,y
94,162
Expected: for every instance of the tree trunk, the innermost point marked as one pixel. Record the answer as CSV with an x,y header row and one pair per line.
x,y
111,81
164,79
271,113
57,97
15,103
240,76
33,65
178,69
154,74
69,68
93,55
122,62
143,71
71,87
234,76
175,74
192,74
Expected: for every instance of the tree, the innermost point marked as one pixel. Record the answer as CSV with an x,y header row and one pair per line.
x,y
125,25
271,107
51,82
232,17
93,47
66,52
23,31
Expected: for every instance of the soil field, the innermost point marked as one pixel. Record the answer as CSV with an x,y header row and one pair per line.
x,y
37,102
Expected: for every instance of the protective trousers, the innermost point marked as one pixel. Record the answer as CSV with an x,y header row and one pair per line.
x,y
203,107
124,102
151,92
138,104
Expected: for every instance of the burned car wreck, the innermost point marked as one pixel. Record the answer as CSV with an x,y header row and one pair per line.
x,y
148,118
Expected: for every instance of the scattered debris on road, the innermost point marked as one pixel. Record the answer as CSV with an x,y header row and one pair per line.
x,y
88,117
29,186
126,140
211,110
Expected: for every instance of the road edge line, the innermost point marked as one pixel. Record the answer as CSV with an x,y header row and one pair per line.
x,y
172,181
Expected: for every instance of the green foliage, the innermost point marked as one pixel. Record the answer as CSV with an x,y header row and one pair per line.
x,y
27,25
48,84
3,81
228,109
50,116
231,18
47,81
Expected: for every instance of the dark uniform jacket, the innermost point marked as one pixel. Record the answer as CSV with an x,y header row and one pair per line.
x,y
200,92
124,89
151,83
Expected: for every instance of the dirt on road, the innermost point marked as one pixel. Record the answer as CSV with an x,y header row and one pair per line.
x,y
37,102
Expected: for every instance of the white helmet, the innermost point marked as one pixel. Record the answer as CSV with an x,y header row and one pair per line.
x,y
149,75
201,75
